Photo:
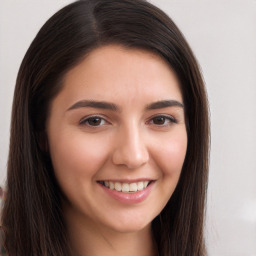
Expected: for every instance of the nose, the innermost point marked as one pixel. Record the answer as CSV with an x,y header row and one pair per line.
x,y
130,148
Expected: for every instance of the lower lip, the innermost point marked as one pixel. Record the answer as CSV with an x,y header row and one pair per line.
x,y
129,198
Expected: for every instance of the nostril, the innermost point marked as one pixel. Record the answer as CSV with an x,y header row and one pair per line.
x,y
130,150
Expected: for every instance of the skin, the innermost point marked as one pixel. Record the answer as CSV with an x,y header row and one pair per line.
x,y
126,143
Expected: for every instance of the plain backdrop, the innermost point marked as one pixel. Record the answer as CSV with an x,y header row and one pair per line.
x,y
222,34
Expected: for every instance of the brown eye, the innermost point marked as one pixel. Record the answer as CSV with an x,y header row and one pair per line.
x,y
159,120
163,120
93,121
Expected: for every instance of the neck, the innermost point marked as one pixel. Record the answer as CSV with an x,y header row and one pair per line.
x,y
90,239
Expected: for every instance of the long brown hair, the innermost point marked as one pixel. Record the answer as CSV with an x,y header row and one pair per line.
x,y
32,215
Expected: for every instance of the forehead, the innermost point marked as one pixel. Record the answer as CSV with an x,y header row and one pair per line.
x,y
113,72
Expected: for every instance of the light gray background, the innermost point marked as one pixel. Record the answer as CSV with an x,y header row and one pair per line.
x,y
222,34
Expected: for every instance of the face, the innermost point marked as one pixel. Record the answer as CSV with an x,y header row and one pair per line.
x,y
117,138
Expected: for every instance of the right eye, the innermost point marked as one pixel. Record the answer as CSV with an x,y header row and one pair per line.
x,y
93,121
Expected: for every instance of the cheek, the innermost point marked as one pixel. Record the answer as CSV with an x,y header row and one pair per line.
x,y
170,154
76,156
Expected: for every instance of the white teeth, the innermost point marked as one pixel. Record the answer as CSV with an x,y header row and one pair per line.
x,y
126,187
111,185
133,187
145,184
118,186
140,185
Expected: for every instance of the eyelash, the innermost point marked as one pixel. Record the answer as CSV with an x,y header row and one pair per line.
x,y
86,121
170,119
166,118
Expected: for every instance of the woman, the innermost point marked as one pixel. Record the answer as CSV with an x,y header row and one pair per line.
x,y
109,137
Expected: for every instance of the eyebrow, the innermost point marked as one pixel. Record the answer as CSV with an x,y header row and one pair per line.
x,y
164,104
114,107
94,104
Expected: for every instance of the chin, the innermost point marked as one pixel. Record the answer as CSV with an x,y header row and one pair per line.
x,y
130,225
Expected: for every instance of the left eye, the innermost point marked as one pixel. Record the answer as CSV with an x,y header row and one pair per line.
x,y
162,120
93,121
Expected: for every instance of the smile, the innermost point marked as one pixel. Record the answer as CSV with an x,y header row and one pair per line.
x,y
125,187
